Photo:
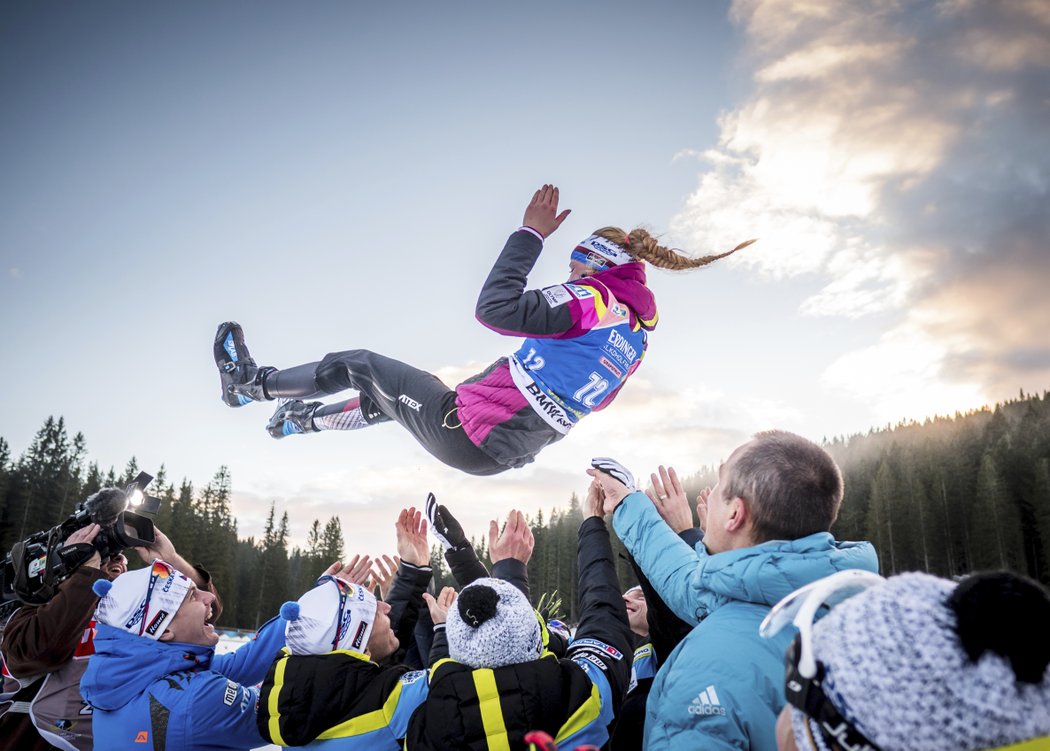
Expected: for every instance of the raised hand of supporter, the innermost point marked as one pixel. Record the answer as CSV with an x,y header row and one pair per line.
x,y
542,212
355,572
439,606
160,548
86,535
593,505
515,542
383,572
411,530
616,481
444,526
701,507
670,500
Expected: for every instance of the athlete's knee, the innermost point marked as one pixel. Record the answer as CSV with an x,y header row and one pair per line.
x,y
349,356
338,369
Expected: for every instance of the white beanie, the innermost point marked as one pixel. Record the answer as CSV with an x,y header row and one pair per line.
x,y
899,663
492,625
144,601
333,615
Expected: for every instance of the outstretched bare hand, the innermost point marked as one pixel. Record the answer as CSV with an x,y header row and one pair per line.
x,y
439,606
382,575
411,528
515,542
670,499
542,212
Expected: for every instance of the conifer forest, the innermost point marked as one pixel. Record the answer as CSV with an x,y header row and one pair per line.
x,y
949,495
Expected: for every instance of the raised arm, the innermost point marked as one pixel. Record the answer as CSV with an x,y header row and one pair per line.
x,y
602,647
413,575
670,564
459,553
603,615
41,638
163,548
504,305
511,550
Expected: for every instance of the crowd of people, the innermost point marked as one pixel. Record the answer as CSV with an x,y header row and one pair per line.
x,y
755,630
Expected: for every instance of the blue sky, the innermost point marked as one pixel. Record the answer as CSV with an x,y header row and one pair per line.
x,y
335,176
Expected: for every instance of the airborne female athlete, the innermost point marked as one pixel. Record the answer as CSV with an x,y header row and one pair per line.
x,y
583,340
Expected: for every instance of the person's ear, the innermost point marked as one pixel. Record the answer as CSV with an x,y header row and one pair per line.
x,y
739,515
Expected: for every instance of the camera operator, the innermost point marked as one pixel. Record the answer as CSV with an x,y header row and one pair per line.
x,y
45,650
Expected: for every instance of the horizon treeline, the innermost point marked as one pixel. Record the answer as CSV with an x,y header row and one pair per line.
x,y
949,495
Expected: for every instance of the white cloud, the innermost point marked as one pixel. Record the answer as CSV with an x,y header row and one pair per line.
x,y
899,153
900,377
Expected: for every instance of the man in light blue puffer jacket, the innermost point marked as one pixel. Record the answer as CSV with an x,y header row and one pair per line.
x,y
766,534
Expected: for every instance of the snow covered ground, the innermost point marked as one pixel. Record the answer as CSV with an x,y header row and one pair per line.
x,y
230,641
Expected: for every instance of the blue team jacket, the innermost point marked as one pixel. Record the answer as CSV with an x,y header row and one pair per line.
x,y
723,685
151,695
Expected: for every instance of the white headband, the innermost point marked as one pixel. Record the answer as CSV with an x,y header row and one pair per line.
x,y
335,614
142,602
610,251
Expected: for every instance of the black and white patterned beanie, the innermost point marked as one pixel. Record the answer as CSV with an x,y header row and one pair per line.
x,y
491,625
922,663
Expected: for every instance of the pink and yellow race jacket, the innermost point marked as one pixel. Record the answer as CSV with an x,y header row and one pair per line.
x,y
584,339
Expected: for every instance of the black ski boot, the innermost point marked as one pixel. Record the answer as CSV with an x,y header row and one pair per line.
x,y
291,417
242,380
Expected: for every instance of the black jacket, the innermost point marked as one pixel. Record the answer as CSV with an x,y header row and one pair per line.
x,y
574,699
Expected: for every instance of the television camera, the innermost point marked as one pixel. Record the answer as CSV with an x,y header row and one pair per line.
x,y
35,567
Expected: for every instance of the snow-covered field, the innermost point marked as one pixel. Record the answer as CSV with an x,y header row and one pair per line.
x,y
230,642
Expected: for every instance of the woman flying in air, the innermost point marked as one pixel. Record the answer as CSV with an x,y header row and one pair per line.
x,y
584,339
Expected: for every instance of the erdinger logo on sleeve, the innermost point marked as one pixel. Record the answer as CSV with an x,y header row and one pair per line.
x,y
155,624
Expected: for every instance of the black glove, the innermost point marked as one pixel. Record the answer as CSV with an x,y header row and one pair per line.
x,y
443,524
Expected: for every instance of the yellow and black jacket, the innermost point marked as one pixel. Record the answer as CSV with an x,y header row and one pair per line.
x,y
574,699
342,698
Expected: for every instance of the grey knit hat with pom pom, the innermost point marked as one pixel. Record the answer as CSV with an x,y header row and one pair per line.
x,y
491,625
922,663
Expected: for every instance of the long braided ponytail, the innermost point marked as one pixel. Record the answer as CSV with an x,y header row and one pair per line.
x,y
643,246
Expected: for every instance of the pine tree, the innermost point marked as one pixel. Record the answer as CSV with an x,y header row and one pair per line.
x,y
46,468
880,517
332,543
273,587
995,522
216,530
1041,514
